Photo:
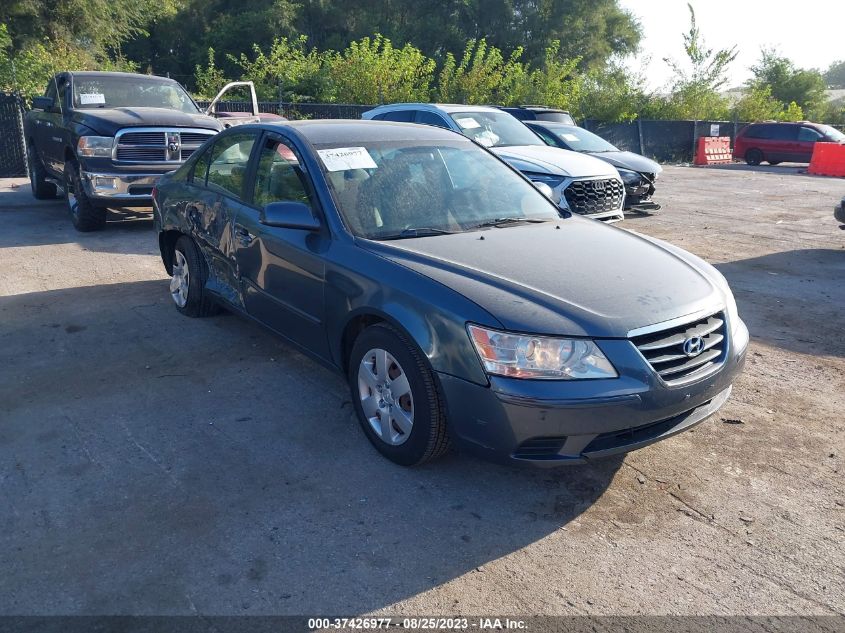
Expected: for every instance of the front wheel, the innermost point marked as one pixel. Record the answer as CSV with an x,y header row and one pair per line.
x,y
396,397
85,215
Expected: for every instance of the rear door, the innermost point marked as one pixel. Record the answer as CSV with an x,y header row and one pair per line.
x,y
784,143
282,271
219,179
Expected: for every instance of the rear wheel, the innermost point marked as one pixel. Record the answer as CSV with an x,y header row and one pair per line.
x,y
42,189
187,281
396,398
754,157
85,215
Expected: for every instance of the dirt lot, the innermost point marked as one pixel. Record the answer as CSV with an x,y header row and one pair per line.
x,y
153,464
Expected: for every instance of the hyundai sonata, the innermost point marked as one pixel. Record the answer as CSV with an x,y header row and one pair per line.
x,y
460,303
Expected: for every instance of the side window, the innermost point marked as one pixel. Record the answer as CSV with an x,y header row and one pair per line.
x,y
809,135
280,177
785,132
430,118
61,101
229,160
547,137
200,170
400,116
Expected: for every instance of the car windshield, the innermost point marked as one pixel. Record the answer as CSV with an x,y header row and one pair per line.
x,y
130,92
494,129
398,189
579,139
832,133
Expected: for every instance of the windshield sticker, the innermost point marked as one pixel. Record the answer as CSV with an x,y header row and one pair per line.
x,y
468,123
570,137
91,99
346,158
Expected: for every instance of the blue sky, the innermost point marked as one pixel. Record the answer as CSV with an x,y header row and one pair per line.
x,y
809,32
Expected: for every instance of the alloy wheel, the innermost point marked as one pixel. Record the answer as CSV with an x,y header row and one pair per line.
x,y
386,396
180,280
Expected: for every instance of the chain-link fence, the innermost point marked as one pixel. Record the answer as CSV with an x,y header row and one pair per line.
x,y
12,148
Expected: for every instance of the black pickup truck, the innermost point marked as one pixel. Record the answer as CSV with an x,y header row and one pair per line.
x,y
106,138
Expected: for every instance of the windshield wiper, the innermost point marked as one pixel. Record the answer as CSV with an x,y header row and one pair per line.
x,y
499,222
423,231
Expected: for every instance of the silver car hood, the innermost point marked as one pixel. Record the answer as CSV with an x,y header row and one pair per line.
x,y
584,279
555,161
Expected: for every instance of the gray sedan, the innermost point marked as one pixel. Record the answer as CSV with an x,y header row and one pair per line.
x,y
462,306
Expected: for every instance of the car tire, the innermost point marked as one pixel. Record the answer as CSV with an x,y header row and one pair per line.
x,y
189,273
754,157
395,396
42,189
85,215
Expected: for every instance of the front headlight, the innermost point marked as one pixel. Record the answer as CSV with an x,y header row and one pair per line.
x,y
527,356
630,178
95,146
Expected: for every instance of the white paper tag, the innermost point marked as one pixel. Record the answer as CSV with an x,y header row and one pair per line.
x,y
345,158
91,99
468,123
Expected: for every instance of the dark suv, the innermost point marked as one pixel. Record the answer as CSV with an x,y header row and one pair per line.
x,y
776,143
540,113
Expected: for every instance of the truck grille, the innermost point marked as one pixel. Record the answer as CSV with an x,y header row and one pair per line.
x,y
595,196
158,145
686,351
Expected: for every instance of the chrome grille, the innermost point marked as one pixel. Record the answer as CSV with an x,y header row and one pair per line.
x,y
158,145
595,196
665,350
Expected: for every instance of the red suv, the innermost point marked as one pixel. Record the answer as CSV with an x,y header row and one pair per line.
x,y
782,142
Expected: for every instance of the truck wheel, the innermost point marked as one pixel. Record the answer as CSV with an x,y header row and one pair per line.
x,y
187,281
84,214
42,189
396,398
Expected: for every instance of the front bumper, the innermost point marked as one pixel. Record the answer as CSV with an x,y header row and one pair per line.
x,y
638,196
551,423
126,188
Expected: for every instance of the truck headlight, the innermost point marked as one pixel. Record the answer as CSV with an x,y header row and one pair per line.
x,y
539,357
95,146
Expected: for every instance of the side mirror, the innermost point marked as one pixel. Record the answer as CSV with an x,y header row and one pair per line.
x,y
43,103
290,215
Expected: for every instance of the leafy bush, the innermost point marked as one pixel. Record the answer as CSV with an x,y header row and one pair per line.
x,y
287,72
371,70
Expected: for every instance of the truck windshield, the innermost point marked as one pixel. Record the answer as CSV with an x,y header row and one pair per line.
x,y
130,92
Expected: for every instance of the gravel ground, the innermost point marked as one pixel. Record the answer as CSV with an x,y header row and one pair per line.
x,y
153,464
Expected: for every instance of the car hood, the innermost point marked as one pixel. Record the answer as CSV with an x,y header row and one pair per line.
x,y
554,161
583,279
108,121
629,160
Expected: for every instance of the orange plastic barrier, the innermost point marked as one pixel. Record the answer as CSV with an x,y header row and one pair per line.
x,y
713,150
828,160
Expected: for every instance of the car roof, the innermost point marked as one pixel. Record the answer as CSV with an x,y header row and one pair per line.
x,y
339,131
92,74
442,107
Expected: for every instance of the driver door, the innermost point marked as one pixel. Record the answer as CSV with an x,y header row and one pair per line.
x,y
282,271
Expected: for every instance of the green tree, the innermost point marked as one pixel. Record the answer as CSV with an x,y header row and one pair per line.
x,y
835,75
612,94
696,83
789,84
758,104
482,76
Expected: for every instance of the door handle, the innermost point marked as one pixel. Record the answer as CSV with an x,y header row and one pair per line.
x,y
243,236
